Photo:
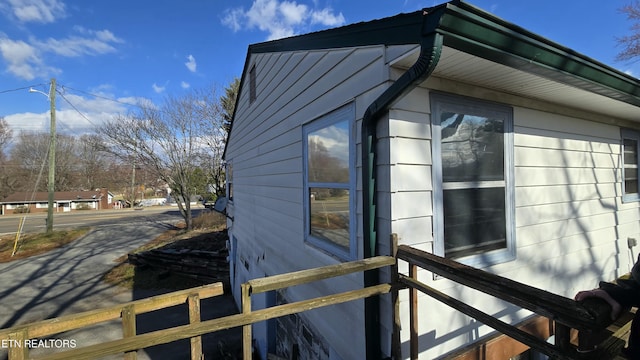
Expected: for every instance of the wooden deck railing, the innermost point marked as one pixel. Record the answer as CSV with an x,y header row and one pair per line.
x,y
306,276
587,317
127,312
130,342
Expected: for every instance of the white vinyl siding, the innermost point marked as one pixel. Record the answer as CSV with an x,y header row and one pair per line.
x,y
570,222
266,146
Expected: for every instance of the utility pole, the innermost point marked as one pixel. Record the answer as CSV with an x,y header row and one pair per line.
x,y
52,155
52,150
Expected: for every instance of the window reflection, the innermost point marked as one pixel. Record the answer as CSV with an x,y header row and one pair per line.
x,y
329,184
472,148
473,211
328,151
330,215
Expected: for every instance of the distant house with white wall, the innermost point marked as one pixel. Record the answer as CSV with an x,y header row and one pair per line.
x,y
64,201
464,134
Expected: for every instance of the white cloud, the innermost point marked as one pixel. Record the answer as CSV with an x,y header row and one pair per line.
x,y
280,18
24,58
75,114
233,19
327,17
185,85
40,11
90,43
158,88
191,63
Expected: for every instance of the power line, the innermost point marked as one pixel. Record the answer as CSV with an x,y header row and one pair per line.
x,y
19,89
76,109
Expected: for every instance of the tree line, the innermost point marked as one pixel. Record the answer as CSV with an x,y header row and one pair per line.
x,y
169,149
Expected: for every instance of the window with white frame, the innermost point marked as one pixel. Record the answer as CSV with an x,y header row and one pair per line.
x,y
329,183
229,177
631,172
472,149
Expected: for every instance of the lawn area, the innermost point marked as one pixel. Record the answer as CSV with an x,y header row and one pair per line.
x,y
35,244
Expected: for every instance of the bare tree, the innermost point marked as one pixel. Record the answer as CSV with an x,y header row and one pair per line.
x,y
7,182
170,140
29,155
631,43
92,161
5,135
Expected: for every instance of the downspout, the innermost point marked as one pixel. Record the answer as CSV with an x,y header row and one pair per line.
x,y
430,50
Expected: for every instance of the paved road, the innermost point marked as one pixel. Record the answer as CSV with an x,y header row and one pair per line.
x,y
69,280
37,222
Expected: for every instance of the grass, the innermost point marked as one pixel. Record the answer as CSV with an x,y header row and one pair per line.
x,y
128,276
38,243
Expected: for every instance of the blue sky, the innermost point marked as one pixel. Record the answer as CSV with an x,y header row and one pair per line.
x,y
106,54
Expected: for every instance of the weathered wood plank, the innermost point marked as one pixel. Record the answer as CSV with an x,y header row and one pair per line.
x,y
187,331
18,350
396,342
586,315
76,321
193,302
129,328
325,272
413,313
247,346
488,320
502,347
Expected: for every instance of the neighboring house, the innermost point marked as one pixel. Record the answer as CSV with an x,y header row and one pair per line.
x,y
64,201
482,142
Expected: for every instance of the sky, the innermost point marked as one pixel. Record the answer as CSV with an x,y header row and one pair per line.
x,y
109,54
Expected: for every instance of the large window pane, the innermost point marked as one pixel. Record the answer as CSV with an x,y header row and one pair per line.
x,y
328,154
330,215
630,166
472,147
474,221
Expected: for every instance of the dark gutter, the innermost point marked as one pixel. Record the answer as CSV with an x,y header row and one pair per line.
x,y
482,34
430,50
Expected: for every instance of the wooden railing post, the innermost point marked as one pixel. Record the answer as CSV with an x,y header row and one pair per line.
x,y
396,344
194,317
129,328
413,313
563,337
18,349
247,347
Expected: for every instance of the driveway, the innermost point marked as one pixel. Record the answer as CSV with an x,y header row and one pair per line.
x,y
69,280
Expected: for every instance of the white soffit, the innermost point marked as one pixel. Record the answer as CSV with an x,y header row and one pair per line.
x,y
465,68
